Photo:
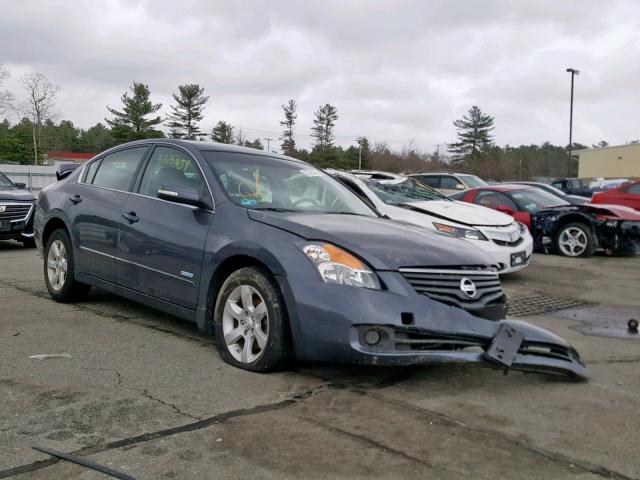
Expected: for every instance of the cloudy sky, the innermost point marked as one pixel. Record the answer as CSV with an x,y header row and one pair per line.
x,y
396,70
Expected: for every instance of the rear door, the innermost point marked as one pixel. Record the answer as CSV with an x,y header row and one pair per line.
x,y
161,243
95,205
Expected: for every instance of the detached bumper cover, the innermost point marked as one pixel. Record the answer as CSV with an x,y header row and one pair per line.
x,y
516,345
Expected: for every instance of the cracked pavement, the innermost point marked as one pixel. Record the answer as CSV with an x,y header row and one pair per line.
x,y
145,393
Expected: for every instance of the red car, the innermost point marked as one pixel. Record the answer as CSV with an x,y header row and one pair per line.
x,y
627,194
570,230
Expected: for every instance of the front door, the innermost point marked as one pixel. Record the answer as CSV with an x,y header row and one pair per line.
x,y
161,243
95,207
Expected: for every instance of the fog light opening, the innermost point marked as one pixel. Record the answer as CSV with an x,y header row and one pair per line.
x,y
372,337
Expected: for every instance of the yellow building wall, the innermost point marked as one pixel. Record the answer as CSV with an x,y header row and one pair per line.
x,y
610,162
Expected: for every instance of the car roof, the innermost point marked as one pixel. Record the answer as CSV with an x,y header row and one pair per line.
x,y
206,146
506,187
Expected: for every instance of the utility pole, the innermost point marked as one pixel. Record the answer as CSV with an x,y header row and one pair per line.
x,y
438,152
359,156
573,73
268,140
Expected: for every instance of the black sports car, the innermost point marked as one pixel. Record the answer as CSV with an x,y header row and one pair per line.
x,y
570,230
16,212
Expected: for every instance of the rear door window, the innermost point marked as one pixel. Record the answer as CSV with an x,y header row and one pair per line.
x,y
117,169
492,200
430,180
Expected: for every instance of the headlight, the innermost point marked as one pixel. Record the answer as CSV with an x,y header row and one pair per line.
x,y
523,228
468,233
340,267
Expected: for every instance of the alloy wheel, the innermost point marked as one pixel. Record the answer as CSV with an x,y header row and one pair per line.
x,y
245,324
57,265
573,241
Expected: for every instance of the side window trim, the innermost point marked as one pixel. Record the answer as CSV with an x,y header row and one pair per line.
x,y
87,168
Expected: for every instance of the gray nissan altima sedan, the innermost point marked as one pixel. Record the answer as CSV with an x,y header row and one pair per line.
x,y
279,261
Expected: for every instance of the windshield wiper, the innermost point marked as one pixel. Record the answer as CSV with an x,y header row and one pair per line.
x,y
274,209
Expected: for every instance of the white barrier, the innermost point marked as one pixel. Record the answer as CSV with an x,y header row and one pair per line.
x,y
34,177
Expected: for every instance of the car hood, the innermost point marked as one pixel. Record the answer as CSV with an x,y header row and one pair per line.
x,y
384,244
16,195
462,212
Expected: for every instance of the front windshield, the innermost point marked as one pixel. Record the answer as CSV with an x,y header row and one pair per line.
x,y
5,183
267,183
473,182
405,190
534,199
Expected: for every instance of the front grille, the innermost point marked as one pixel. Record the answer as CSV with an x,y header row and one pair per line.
x,y
504,243
15,212
444,285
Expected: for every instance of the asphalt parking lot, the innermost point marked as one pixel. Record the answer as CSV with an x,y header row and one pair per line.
x,y
146,394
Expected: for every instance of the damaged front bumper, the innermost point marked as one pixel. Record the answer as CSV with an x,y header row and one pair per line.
x,y
331,323
515,345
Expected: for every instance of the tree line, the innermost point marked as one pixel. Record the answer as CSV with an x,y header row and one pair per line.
x,y
473,151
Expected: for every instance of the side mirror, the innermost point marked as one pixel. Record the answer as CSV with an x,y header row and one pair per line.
x,y
20,185
184,195
505,209
65,170
460,186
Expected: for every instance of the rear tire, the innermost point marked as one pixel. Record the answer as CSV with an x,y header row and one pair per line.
x,y
250,322
59,274
575,240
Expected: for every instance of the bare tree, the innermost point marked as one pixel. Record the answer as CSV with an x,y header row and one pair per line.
x,y
39,105
6,96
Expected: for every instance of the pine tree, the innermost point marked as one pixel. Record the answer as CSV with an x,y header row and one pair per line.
x,y
222,132
288,144
132,123
474,139
323,124
187,112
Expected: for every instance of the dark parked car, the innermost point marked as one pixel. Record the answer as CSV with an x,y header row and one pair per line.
x,y
279,260
572,199
570,230
572,186
16,212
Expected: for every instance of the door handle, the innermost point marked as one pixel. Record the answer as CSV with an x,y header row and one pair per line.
x,y
130,216
75,199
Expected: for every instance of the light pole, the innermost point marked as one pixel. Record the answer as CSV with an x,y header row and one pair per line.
x,y
573,73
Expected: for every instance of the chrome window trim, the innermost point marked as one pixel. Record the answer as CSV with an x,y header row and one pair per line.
x,y
213,202
491,272
151,198
97,252
31,205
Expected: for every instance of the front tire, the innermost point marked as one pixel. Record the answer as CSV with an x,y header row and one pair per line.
x,y
575,240
250,322
59,269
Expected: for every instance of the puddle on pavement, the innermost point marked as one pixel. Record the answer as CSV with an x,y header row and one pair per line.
x,y
602,321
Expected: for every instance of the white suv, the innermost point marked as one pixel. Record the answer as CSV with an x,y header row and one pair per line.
x,y
402,198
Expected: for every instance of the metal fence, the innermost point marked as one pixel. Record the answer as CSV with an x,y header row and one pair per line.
x,y
34,177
